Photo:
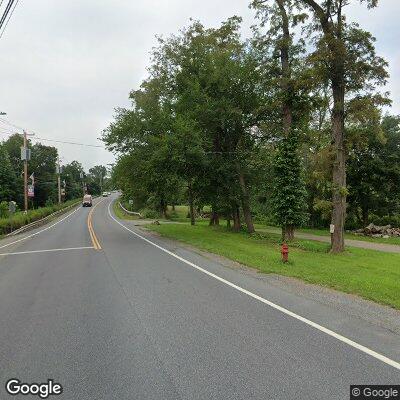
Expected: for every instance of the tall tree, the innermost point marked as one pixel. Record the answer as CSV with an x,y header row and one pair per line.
x,y
290,95
7,177
99,173
346,57
43,166
13,147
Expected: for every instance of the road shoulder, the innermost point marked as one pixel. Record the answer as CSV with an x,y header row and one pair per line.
x,y
365,322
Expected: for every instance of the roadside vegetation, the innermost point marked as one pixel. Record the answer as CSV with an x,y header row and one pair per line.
x,y
280,129
9,223
288,128
42,173
120,213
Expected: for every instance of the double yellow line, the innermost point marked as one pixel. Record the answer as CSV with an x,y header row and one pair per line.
x,y
93,236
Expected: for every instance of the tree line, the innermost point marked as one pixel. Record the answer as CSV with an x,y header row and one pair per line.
x,y
287,126
43,165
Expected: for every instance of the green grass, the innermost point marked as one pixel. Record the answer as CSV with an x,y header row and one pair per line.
x,y
179,214
120,213
367,273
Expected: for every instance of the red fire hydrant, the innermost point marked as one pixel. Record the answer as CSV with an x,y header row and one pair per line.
x,y
285,252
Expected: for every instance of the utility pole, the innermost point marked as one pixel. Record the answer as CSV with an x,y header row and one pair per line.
x,y
83,183
25,157
25,172
59,180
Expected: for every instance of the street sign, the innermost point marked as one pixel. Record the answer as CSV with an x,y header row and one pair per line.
x,y
130,202
31,191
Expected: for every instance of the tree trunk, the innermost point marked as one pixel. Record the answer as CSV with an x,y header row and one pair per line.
x,y
228,223
287,233
191,206
334,38
245,202
173,207
214,218
365,215
339,166
288,94
236,218
286,71
163,208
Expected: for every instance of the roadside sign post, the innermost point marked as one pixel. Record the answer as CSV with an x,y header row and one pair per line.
x,y
58,172
25,157
12,206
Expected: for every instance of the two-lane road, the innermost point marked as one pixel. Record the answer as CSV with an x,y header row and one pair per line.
x,y
110,315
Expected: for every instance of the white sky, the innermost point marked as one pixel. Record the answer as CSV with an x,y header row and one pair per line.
x,y
65,64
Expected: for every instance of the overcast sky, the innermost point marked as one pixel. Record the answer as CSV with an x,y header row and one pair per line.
x,y
65,64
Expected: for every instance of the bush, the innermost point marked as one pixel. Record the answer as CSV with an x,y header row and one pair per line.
x,y
148,213
19,219
4,209
393,220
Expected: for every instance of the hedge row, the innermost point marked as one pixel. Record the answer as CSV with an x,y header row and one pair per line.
x,y
19,219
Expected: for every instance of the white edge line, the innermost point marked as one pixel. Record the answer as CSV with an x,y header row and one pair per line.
x,y
37,233
321,328
46,251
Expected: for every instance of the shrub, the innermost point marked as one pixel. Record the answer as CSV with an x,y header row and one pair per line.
x,y
148,213
4,209
19,219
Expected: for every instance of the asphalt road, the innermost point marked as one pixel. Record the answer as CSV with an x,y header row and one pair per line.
x,y
131,321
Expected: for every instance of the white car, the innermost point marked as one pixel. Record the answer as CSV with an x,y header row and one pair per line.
x,y
105,194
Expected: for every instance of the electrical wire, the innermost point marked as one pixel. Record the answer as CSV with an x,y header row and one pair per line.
x,y
5,26
64,142
6,11
8,132
10,124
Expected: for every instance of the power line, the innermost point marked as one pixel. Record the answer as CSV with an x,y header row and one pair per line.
x,y
9,123
7,132
64,142
6,11
5,26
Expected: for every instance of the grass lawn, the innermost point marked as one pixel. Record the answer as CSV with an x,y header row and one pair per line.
x,y
120,213
367,273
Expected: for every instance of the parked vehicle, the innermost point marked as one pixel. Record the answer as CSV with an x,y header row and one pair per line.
x,y
87,200
105,194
